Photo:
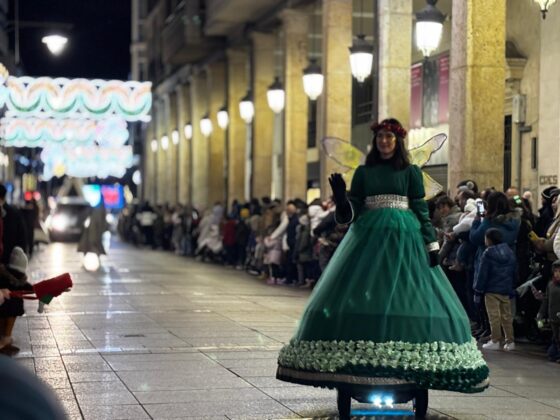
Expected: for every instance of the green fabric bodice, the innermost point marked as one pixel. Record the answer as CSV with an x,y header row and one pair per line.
x,y
384,179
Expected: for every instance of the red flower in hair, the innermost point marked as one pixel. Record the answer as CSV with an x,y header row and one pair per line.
x,y
396,129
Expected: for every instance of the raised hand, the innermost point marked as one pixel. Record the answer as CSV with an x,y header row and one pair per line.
x,y
338,186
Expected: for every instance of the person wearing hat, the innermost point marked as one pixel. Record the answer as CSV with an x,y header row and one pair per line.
x,y
546,212
14,278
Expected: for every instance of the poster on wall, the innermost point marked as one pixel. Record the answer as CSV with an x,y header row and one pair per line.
x,y
443,96
430,93
429,96
416,96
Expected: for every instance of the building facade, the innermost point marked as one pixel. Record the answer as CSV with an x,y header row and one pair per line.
x,y
487,85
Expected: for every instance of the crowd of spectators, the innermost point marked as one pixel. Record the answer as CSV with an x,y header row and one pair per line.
x,y
283,243
498,255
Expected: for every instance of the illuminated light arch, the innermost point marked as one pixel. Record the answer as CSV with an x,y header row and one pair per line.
x,y
39,132
87,161
68,98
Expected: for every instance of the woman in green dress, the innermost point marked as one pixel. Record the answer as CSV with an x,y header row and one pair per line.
x,y
383,312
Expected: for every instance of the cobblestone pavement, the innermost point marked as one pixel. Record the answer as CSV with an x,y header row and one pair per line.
x,y
154,335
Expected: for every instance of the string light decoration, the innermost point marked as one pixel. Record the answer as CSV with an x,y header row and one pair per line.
x,y
87,161
70,98
39,132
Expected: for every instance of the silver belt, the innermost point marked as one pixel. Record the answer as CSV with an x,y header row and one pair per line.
x,y
387,201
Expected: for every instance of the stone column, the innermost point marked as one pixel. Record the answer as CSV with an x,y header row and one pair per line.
x,y
477,75
148,173
395,51
296,26
183,116
199,102
335,103
217,91
549,105
172,154
237,88
161,154
263,124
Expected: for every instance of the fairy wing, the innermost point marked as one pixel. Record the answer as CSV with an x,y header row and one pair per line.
x,y
422,154
343,153
346,156
431,186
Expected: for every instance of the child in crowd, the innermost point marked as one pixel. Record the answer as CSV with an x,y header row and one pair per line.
x,y
550,307
12,277
495,281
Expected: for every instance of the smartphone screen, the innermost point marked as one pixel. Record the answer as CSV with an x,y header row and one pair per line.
x,y
480,207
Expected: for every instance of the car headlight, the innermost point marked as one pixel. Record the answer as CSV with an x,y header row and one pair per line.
x,y
59,222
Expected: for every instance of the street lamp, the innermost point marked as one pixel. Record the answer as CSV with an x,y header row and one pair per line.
x,y
313,80
545,5
165,142
154,145
206,126
55,43
188,131
223,118
175,137
361,58
246,108
276,96
429,26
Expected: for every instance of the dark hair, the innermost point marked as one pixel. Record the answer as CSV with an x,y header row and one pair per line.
x,y
495,236
498,204
3,192
400,159
467,194
444,201
556,265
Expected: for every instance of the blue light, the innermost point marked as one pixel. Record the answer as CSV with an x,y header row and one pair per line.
x,y
376,413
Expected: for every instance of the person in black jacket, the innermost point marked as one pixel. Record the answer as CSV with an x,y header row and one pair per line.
x,y
495,279
15,233
546,212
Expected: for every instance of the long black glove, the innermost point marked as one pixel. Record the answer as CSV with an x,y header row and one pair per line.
x,y
343,209
338,187
434,258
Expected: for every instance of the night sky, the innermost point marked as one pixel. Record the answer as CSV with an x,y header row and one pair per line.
x,y
99,42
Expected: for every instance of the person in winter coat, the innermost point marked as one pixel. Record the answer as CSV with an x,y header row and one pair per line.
x,y
495,280
242,233
13,277
228,240
15,233
498,215
546,212
550,307
316,213
92,236
303,253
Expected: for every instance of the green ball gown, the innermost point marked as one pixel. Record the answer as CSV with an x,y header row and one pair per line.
x,y
379,313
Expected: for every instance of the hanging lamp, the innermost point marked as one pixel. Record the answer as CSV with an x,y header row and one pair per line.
x,y
428,28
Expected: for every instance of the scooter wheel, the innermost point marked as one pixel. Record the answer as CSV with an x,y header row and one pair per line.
x,y
420,403
344,402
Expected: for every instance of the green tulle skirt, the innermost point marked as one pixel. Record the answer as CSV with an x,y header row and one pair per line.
x,y
380,314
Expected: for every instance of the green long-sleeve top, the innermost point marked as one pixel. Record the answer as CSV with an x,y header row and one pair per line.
x,y
384,179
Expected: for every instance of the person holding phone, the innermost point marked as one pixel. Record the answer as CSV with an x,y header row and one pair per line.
x,y
498,214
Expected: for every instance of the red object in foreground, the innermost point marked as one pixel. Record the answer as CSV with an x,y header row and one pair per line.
x,y
47,289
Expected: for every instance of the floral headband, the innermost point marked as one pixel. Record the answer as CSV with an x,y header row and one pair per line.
x,y
393,128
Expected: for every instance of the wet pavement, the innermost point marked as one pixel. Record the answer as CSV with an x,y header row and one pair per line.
x,y
154,335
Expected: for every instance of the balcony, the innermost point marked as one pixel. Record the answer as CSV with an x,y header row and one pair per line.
x,y
224,17
182,38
